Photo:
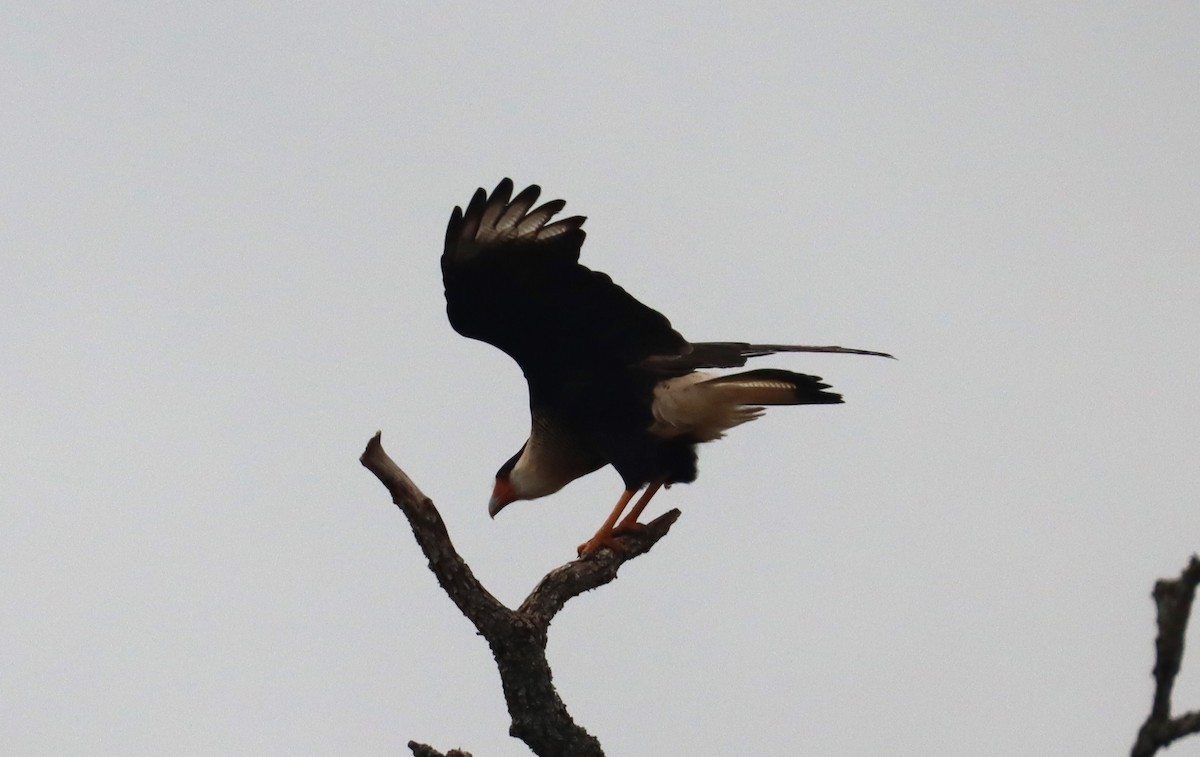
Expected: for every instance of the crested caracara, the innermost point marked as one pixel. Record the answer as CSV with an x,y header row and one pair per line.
x,y
610,382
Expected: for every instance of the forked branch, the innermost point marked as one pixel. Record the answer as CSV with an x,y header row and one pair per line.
x,y
517,637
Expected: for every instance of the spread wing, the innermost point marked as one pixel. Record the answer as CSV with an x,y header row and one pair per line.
x,y
513,280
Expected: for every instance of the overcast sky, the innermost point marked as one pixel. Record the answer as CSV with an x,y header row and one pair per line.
x,y
219,232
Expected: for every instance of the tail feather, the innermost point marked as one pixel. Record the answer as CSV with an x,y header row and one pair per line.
x,y
771,386
735,354
704,407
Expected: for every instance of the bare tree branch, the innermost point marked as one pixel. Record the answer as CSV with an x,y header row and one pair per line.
x,y
452,572
517,637
424,750
1174,600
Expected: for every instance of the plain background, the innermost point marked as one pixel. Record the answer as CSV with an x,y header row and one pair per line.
x,y
219,232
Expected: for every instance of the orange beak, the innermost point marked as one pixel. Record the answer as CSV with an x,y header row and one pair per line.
x,y
503,494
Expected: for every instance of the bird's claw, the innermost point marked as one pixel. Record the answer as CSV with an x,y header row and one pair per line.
x,y
628,527
609,540
599,542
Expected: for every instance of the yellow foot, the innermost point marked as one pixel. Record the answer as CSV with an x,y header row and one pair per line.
x,y
597,543
628,527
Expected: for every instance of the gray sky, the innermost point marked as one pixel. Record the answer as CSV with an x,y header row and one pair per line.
x,y
219,230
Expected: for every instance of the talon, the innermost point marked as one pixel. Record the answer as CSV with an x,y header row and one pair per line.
x,y
629,524
597,543
628,527
604,537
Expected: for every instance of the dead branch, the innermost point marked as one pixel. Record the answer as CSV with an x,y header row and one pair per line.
x,y
424,750
1174,600
517,637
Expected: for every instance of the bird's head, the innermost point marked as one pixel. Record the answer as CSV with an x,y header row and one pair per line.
x,y
503,495
507,489
527,475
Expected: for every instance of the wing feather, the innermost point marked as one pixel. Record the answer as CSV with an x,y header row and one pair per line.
x,y
566,225
517,209
538,218
493,209
513,280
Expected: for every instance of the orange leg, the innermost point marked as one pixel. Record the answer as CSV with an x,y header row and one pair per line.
x,y
629,523
604,537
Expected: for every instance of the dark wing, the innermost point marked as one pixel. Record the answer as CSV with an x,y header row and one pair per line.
x,y
732,355
514,280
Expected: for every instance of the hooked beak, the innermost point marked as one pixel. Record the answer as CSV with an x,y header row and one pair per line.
x,y
503,495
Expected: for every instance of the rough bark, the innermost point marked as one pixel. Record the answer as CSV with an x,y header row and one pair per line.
x,y
1173,598
517,637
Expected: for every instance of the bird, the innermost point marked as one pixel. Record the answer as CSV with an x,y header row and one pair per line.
x,y
610,381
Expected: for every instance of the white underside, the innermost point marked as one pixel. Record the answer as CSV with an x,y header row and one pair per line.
x,y
545,467
705,407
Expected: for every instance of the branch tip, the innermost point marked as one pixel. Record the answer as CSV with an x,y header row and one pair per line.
x,y
1173,599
